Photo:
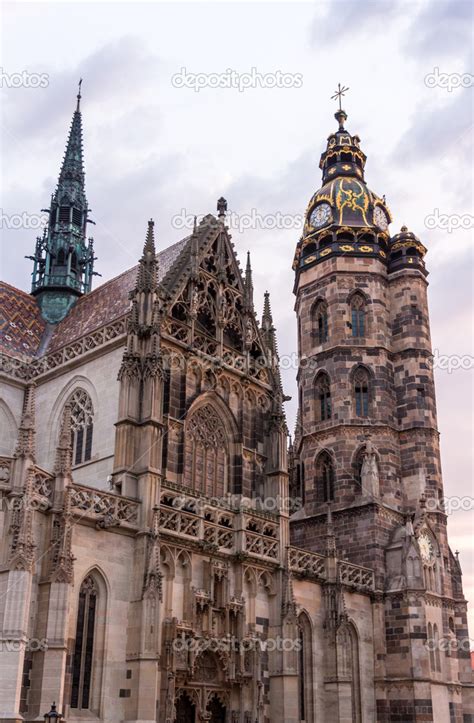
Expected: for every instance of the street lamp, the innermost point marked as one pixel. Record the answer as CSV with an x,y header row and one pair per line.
x,y
53,715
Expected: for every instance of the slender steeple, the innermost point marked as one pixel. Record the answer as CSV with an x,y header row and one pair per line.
x,y
64,257
248,286
267,324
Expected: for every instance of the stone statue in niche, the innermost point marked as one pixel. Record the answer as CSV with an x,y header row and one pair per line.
x,y
370,471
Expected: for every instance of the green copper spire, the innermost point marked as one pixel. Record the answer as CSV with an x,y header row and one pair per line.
x,y
64,257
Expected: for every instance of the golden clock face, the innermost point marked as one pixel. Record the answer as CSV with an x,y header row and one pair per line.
x,y
426,547
321,215
380,218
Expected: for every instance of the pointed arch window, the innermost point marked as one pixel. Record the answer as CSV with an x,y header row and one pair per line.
x,y
320,322
325,477
358,315
305,669
361,392
348,665
357,465
206,464
84,645
61,258
82,426
431,644
437,654
323,397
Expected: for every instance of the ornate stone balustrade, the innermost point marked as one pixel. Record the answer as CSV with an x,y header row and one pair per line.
x,y
106,508
30,370
179,522
356,576
261,545
220,536
307,564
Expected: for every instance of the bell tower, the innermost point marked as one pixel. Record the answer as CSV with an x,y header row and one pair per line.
x,y
366,443
63,263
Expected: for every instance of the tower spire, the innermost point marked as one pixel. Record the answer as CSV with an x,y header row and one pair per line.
x,y
64,257
248,285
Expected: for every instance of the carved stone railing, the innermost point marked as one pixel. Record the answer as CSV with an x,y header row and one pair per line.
x,y
307,564
220,536
190,525
356,576
261,545
106,508
179,522
30,370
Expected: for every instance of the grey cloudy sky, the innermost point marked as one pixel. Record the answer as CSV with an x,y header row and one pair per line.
x,y
152,149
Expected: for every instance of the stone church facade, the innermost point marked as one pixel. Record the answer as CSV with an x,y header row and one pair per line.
x,y
164,554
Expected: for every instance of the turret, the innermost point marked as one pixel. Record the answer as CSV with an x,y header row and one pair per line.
x,y
63,263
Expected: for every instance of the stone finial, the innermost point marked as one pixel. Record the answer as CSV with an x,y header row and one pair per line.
x,y
63,463
221,208
27,430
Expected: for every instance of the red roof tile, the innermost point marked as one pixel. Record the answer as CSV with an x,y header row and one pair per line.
x,y
21,323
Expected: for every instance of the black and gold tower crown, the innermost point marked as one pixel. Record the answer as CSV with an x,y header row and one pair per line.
x,y
344,217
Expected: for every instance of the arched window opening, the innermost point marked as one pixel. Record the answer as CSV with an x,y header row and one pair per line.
x,y
185,709
358,315
82,424
206,467
323,396
309,249
320,322
64,214
436,648
357,466
325,477
431,645
84,645
77,217
305,669
361,393
74,262
206,322
61,258
348,666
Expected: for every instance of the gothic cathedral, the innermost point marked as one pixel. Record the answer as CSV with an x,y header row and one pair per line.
x,y
165,555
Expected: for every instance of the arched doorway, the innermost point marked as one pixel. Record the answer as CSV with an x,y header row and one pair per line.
x,y
217,710
185,710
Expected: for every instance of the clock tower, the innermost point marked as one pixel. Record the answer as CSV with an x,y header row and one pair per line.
x,y
366,444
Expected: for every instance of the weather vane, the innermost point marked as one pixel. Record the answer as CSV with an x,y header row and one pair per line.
x,y
341,90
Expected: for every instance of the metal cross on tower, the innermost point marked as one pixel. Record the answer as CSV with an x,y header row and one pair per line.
x,y
341,90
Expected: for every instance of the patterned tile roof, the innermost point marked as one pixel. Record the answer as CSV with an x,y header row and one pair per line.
x,y
108,302
22,328
21,323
